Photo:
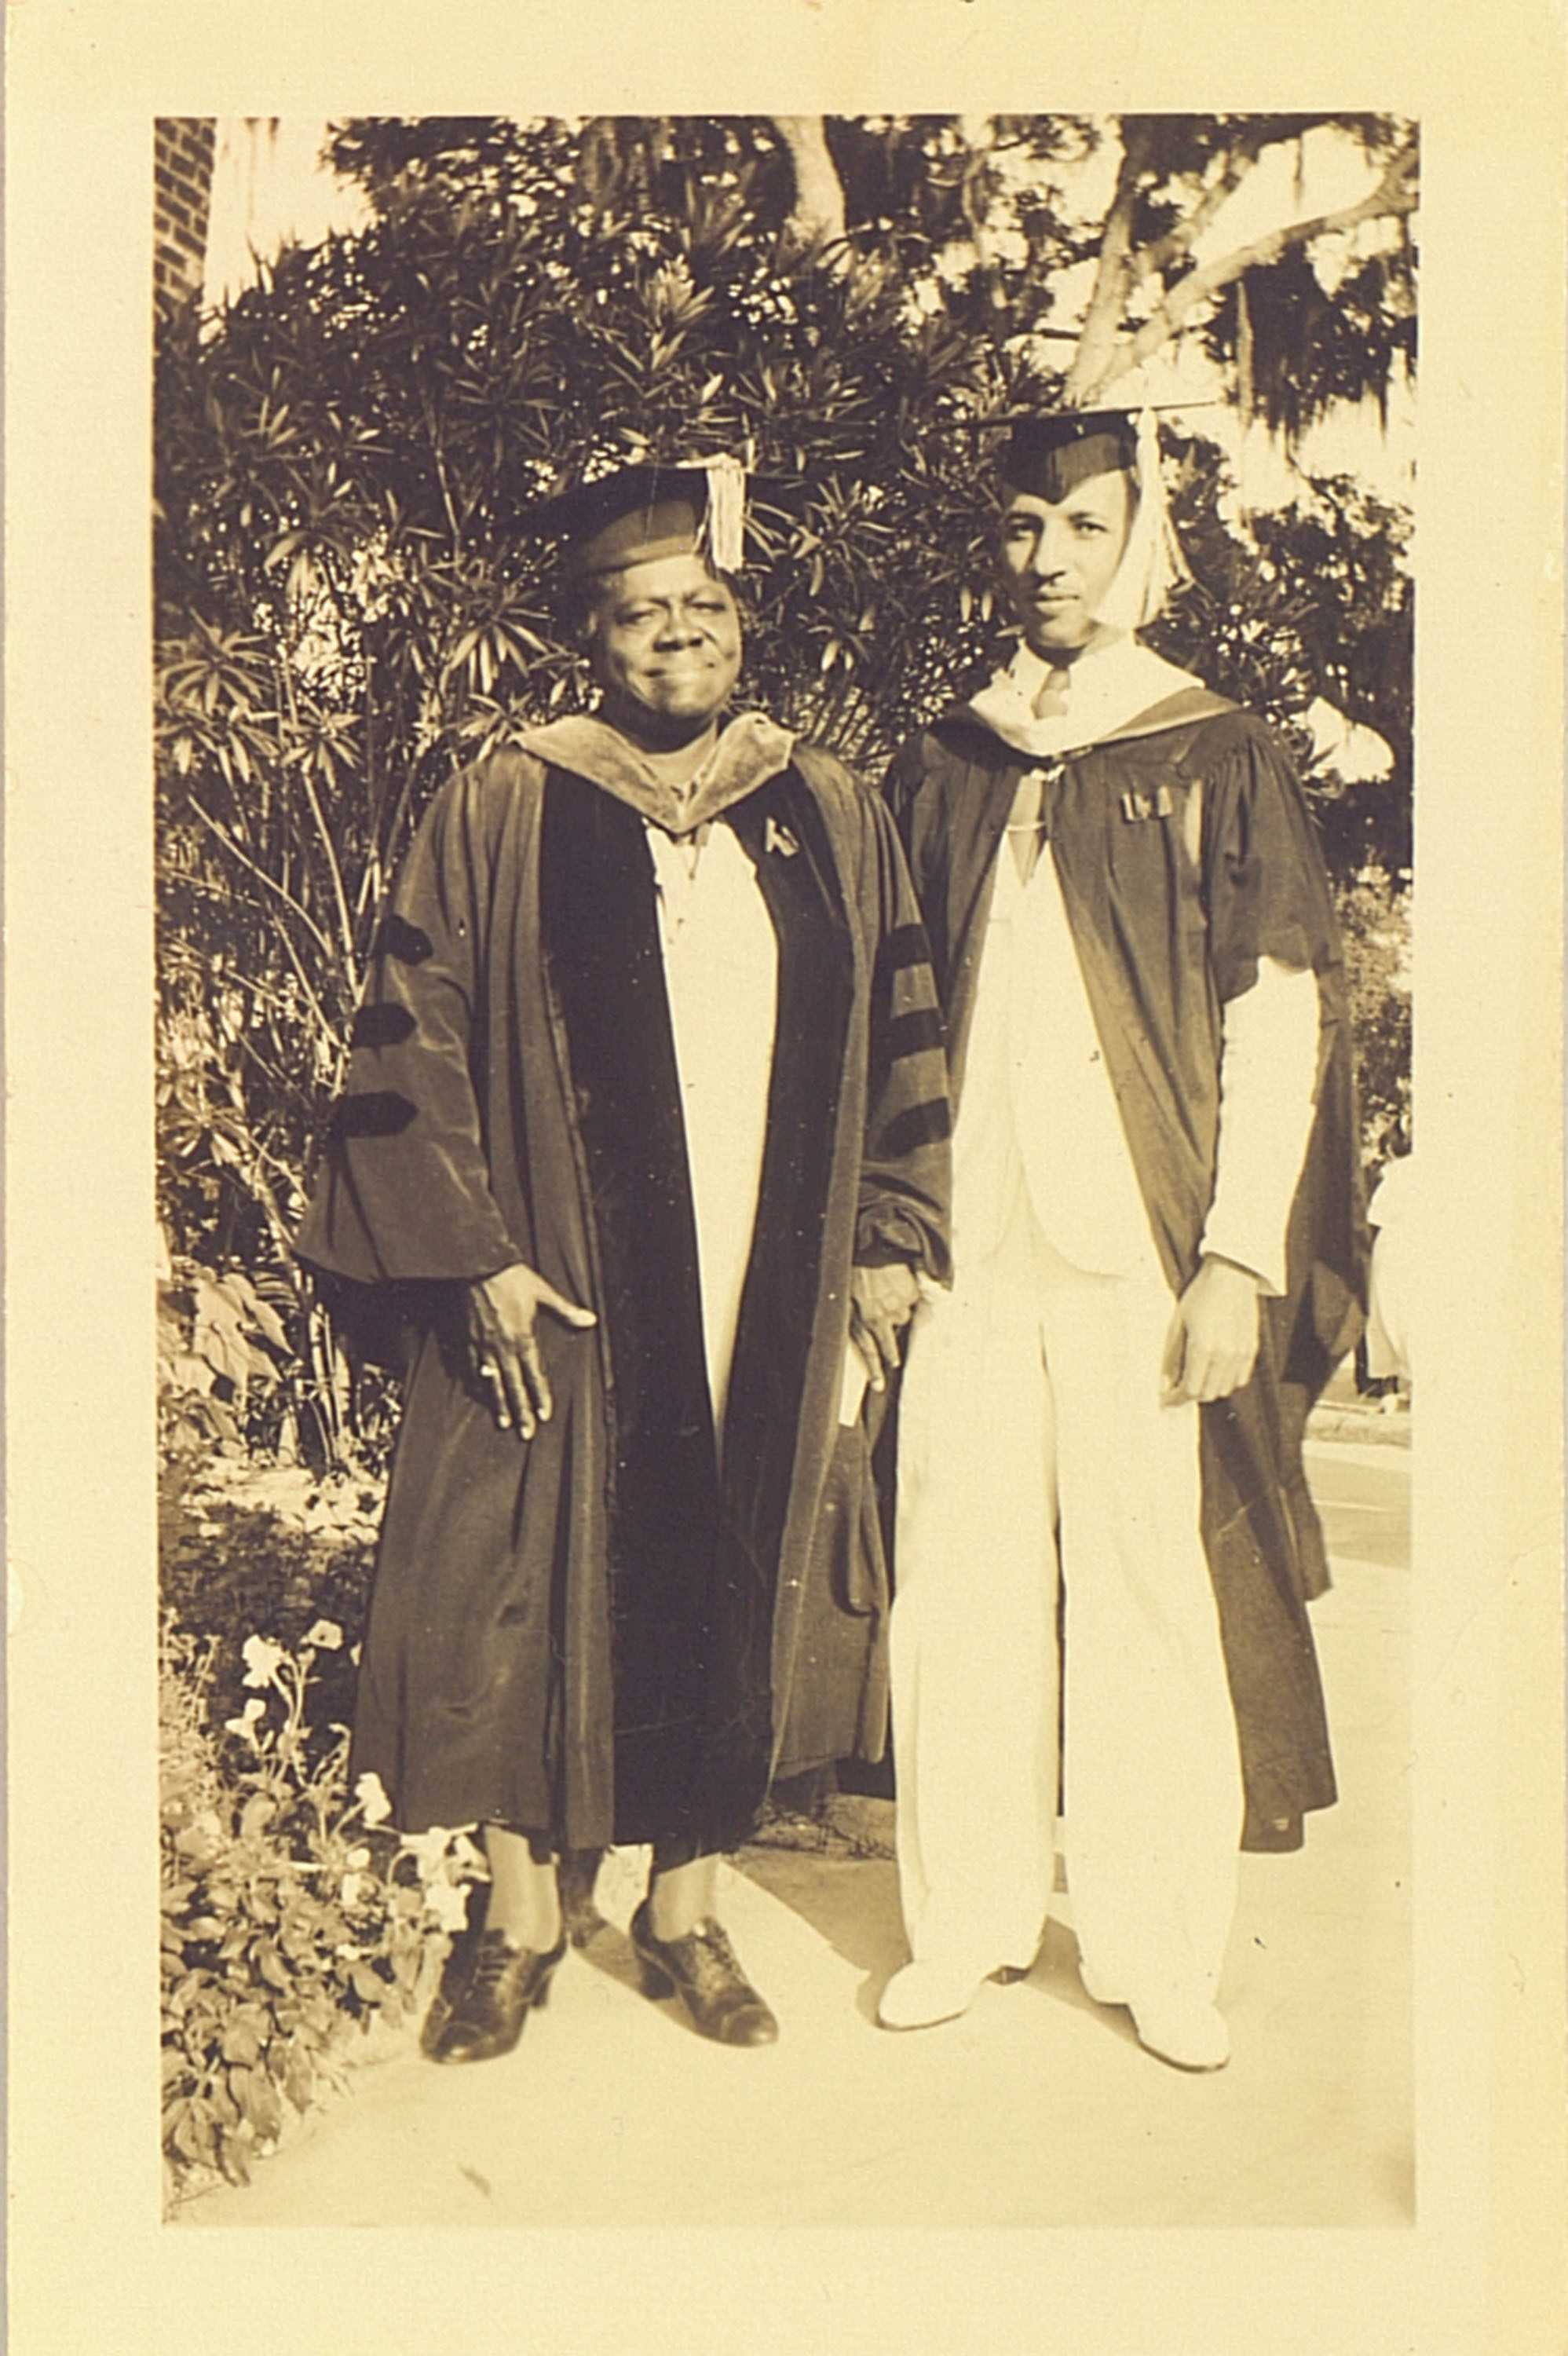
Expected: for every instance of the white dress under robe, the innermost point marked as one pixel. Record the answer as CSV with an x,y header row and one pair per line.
x,y
721,963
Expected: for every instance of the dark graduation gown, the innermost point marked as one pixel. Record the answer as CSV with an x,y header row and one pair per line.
x,y
595,1634
1171,907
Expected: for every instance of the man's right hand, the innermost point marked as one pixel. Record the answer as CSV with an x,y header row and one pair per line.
x,y
881,1303
501,1313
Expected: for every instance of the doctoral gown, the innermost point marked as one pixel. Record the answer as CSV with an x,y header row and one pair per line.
x,y
599,1634
1185,853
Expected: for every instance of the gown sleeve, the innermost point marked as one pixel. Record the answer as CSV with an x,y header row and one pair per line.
x,y
404,1190
901,783
1267,896
906,1171
1265,882
1268,1077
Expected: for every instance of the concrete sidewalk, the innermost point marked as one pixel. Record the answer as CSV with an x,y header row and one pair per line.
x,y
1037,2109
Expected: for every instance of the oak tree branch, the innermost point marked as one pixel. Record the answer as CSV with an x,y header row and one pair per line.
x,y
1394,195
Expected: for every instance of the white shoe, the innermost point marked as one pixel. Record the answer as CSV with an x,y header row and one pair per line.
x,y
921,1994
1191,2033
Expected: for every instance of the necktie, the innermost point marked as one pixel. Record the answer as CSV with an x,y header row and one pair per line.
x,y
1051,699
1024,821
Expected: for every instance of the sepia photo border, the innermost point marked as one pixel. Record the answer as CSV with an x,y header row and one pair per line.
x,y
89,2265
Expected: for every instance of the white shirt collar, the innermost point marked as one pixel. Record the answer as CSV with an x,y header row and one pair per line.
x,y
1106,686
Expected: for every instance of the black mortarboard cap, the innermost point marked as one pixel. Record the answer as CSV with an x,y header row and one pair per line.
x,y
647,510
1049,452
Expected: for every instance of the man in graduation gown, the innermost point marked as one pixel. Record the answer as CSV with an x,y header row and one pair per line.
x,y
1105,1543
646,1118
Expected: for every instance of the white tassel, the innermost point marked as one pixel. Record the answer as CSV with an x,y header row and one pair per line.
x,y
1168,568
1152,563
724,525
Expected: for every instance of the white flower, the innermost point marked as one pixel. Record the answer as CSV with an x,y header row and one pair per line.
x,y
449,1905
957,262
349,1888
357,1858
326,1635
263,1660
374,1804
427,1849
245,1724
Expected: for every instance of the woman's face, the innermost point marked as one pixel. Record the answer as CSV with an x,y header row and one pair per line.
x,y
664,640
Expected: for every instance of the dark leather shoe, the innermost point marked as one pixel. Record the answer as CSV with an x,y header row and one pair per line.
x,y
702,1969
484,2015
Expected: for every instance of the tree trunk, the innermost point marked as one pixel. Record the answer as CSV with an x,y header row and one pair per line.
x,y
818,215
1092,361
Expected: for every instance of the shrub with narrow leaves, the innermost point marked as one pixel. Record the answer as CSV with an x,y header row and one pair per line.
x,y
297,1931
353,599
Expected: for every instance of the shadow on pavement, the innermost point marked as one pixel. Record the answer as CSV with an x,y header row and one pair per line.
x,y
611,1953
852,1905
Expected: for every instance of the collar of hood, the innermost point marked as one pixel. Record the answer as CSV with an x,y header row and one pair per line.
x,y
1110,689
751,749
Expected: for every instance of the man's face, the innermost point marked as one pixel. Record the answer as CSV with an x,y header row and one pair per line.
x,y
664,640
1058,558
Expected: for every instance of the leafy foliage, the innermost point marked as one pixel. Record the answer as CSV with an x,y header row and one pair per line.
x,y
353,600
1375,918
294,1931
219,1345
1293,340
239,1552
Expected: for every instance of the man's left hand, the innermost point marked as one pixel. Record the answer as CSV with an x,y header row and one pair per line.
x,y
881,1302
1213,1345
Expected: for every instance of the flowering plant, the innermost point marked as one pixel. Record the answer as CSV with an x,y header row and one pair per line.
x,y
298,1929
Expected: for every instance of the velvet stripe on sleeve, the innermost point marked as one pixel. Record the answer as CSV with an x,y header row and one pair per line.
x,y
906,1176
405,1191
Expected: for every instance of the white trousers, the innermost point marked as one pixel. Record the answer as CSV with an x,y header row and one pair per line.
x,y
1032,1436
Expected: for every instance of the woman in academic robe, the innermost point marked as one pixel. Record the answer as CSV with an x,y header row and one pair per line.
x,y
645,1119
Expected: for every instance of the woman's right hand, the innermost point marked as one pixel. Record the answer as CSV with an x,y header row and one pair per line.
x,y
501,1313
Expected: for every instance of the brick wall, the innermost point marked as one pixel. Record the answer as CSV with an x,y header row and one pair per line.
x,y
182,192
